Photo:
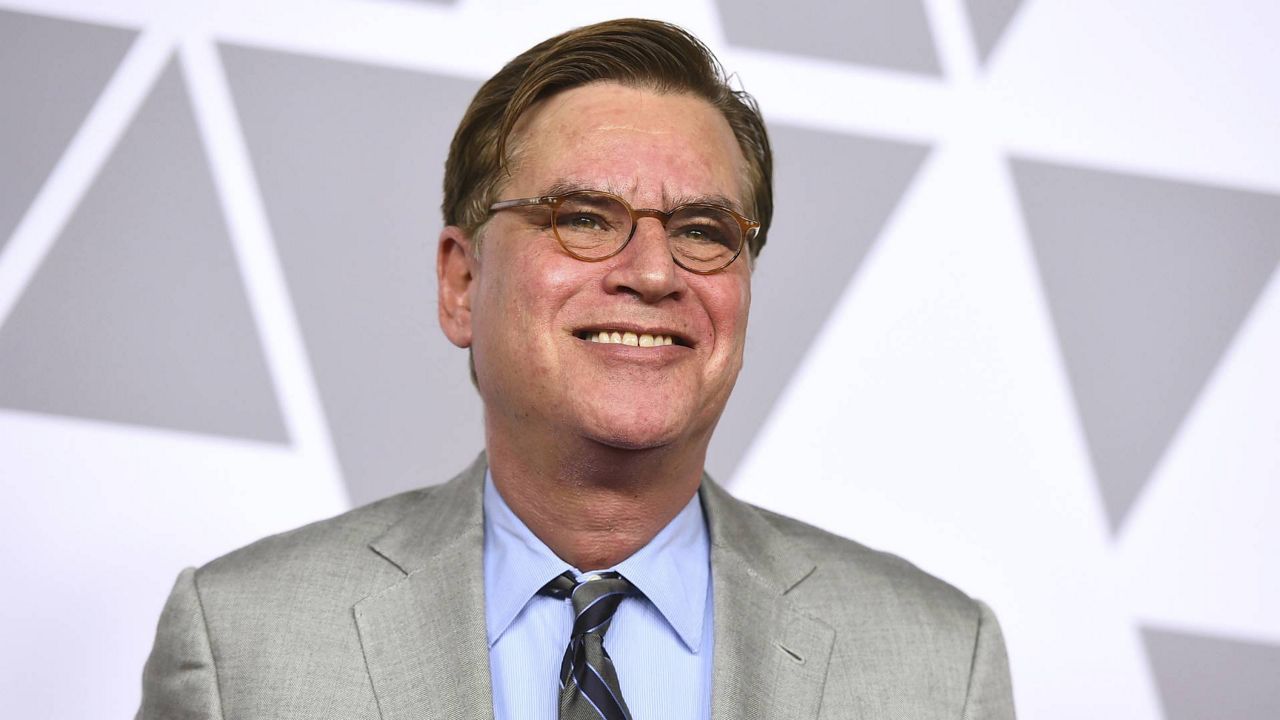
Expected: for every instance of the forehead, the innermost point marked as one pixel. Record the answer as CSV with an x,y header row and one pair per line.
x,y
635,142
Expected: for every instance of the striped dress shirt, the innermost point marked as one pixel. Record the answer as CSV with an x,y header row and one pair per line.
x,y
661,644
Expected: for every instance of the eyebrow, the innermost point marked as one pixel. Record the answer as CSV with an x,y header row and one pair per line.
x,y
562,187
713,199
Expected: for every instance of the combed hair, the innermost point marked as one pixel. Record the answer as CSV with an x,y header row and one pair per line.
x,y
632,52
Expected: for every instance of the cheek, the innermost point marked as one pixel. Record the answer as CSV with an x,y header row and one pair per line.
x,y
530,293
728,306
744,306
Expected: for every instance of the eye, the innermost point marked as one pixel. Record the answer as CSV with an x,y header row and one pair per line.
x,y
583,222
707,234
704,226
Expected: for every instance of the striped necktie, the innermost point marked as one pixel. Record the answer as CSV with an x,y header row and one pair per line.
x,y
589,688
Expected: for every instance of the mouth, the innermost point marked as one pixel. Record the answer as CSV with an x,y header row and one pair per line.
x,y
626,336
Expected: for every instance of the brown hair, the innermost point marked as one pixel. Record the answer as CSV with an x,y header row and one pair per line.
x,y
633,52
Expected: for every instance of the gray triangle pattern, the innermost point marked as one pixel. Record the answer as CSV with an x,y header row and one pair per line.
x,y
1147,281
350,159
989,19
891,34
51,72
821,232
138,314
1200,678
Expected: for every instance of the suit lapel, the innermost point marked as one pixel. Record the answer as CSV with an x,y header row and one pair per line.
x,y
423,636
770,657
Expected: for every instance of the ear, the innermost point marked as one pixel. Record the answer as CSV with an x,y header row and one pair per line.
x,y
455,278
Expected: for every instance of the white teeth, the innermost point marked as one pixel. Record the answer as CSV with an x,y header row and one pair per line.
x,y
629,338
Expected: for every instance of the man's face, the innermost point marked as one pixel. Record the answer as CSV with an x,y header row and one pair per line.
x,y
533,306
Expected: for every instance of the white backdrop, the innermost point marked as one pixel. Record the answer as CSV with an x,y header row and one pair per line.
x,y
1047,375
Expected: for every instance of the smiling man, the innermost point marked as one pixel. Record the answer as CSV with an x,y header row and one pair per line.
x,y
606,196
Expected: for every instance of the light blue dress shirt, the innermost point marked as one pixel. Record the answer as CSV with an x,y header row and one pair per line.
x,y
661,644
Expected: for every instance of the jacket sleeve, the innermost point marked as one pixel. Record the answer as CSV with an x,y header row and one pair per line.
x,y
180,681
990,695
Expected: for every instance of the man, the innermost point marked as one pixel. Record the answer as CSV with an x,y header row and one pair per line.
x,y
605,197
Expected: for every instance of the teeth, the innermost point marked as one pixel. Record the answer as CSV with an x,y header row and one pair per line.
x,y
630,338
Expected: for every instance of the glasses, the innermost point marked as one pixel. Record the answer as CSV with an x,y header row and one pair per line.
x,y
592,226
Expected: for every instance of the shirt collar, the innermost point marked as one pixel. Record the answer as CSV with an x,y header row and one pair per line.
x,y
673,570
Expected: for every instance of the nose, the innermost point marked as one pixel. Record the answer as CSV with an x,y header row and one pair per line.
x,y
645,267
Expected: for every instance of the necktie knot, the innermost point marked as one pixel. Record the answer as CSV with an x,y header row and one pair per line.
x,y
595,598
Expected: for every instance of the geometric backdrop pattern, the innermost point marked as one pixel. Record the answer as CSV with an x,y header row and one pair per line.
x,y
893,35
812,269
348,158
1211,677
1017,321
138,313
43,109
989,18
1148,281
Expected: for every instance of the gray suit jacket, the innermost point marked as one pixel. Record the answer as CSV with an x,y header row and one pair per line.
x,y
379,613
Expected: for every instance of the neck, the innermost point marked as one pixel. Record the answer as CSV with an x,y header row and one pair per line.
x,y
592,504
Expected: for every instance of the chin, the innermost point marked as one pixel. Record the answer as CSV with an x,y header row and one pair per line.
x,y
658,417
632,444
628,434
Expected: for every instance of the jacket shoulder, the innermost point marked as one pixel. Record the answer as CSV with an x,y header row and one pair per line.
x,y
846,570
276,615
906,643
332,551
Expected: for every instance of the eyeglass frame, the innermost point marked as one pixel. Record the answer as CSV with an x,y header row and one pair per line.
x,y
748,226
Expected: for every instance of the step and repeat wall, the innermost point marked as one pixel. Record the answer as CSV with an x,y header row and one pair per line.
x,y
1018,319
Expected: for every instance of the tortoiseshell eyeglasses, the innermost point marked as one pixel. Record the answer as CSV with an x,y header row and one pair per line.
x,y
592,225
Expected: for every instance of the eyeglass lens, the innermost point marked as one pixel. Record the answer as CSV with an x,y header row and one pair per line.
x,y
593,226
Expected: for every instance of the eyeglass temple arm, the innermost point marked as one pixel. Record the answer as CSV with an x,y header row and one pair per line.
x,y
523,202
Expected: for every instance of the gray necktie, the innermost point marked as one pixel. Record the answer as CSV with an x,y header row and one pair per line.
x,y
589,688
